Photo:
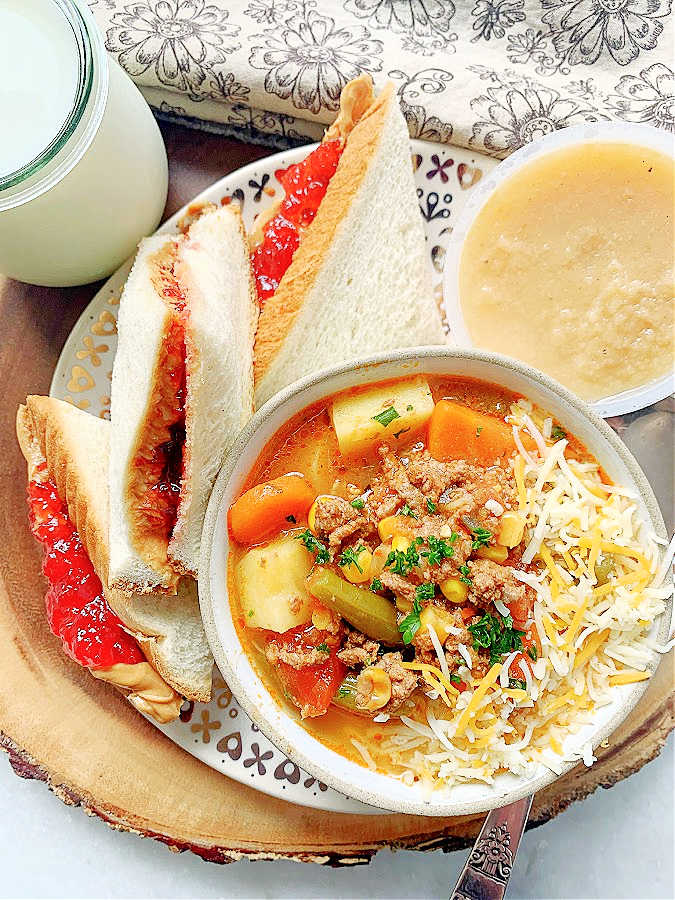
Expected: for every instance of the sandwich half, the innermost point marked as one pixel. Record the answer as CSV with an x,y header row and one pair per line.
x,y
152,647
340,260
182,389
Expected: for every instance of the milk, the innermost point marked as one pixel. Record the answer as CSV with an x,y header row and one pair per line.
x,y
83,170
39,74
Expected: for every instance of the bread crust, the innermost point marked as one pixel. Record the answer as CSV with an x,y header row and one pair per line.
x,y
280,310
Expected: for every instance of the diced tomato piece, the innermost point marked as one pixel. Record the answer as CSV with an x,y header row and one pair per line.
x,y
515,670
312,687
531,639
468,612
521,611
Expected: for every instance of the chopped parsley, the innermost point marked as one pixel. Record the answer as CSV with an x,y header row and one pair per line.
x,y
345,690
409,407
314,546
358,503
518,683
496,634
481,537
406,510
465,575
478,430
410,625
387,416
376,585
431,506
350,557
250,613
558,433
323,647
532,653
454,677
402,563
425,591
439,549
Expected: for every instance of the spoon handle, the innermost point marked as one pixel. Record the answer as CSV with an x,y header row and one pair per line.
x,y
486,873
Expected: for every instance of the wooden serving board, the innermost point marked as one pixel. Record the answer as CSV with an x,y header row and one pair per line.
x,y
63,727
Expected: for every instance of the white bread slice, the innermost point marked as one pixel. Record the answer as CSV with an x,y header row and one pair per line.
x,y
359,282
143,323
168,628
214,271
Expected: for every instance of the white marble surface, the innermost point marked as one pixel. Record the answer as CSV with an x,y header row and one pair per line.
x,y
617,843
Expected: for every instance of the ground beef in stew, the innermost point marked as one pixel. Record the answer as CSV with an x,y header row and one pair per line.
x,y
358,650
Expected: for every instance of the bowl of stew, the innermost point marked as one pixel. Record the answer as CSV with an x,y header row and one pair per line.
x,y
435,579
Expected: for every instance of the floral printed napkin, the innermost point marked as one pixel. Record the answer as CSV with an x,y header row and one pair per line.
x,y
485,74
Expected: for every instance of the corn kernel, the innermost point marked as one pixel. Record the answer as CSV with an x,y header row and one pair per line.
x,y
400,543
351,570
441,620
311,518
511,530
387,527
375,685
497,554
454,590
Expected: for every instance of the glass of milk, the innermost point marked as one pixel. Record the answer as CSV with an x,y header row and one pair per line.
x,y
83,169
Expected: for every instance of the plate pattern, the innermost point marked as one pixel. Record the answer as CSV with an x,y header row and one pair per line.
x,y
220,733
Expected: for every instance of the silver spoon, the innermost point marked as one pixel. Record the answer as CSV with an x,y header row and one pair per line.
x,y
488,868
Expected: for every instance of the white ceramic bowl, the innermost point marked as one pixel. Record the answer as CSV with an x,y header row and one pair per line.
x,y
283,730
639,135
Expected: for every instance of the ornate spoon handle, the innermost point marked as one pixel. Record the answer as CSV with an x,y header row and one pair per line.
x,y
486,873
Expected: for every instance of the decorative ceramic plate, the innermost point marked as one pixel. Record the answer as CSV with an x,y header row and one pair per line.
x,y
220,733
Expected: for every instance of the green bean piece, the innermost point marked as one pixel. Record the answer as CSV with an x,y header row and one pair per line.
x,y
368,612
346,693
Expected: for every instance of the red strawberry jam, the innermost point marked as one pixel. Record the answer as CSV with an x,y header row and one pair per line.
x,y
305,185
77,611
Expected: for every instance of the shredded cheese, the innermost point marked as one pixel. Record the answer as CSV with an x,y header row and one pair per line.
x,y
570,634
442,661
628,677
518,470
545,554
592,637
433,670
478,695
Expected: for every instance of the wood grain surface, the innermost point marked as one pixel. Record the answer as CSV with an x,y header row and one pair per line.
x,y
60,725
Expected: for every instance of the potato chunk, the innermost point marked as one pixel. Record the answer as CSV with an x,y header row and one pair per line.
x,y
381,413
271,585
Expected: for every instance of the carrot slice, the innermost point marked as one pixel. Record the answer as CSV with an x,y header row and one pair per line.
x,y
268,508
459,432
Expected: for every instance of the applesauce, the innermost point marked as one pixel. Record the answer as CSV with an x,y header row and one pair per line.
x,y
569,267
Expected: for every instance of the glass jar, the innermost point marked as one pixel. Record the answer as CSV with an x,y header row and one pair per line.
x,y
74,209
